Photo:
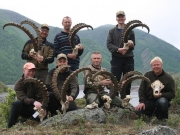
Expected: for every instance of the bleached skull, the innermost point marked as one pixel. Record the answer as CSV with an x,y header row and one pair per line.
x,y
157,86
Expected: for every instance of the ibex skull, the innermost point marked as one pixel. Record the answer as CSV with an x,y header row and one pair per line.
x,y
157,86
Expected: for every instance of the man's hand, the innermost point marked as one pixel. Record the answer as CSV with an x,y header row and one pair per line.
x,y
71,56
130,44
69,98
80,47
32,53
141,106
37,105
123,51
105,82
39,58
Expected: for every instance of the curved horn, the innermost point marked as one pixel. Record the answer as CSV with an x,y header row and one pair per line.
x,y
128,74
74,30
130,79
66,83
37,32
23,29
113,89
54,81
130,23
126,32
43,89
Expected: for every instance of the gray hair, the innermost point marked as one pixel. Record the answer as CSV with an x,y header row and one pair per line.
x,y
96,53
156,58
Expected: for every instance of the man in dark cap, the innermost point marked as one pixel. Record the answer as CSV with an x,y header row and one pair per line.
x,y
122,58
73,87
42,60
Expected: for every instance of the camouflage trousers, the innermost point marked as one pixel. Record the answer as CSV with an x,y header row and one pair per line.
x,y
90,98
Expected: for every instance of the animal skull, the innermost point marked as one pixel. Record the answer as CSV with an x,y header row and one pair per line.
x,y
109,100
92,105
75,50
65,106
157,86
126,100
42,113
126,45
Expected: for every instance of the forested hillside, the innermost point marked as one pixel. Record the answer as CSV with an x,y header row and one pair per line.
x,y
12,41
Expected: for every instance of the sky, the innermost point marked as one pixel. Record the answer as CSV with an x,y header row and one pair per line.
x,y
162,16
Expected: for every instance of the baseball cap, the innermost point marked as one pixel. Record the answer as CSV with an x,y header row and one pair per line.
x,y
120,13
29,65
45,26
61,55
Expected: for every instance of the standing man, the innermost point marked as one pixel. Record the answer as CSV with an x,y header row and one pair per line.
x,y
29,96
156,104
62,45
41,61
73,89
91,88
122,58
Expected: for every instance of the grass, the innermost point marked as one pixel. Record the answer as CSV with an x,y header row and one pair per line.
x,y
82,127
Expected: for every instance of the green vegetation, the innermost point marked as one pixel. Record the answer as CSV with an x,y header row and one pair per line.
x,y
3,87
5,107
13,39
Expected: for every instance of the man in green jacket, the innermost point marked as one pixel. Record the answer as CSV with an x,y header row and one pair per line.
x,y
42,60
154,101
29,95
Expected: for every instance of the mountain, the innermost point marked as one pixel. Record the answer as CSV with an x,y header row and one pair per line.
x,y
13,39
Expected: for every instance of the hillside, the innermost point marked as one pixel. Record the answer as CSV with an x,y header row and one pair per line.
x,y
12,41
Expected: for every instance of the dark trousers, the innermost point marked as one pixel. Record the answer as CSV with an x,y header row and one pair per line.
x,y
120,66
20,109
54,105
159,108
41,75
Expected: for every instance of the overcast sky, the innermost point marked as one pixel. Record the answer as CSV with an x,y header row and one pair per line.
x,y
162,16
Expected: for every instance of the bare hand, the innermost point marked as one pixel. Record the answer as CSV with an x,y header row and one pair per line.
x,y
39,58
106,82
80,47
71,56
123,51
69,98
37,105
130,44
141,106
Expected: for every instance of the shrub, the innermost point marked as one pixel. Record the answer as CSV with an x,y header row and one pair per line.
x,y
5,107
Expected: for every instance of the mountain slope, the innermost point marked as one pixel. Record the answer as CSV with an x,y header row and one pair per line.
x,y
147,46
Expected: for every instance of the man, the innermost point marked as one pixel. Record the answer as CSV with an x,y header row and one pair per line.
x,y
122,58
29,96
62,45
42,60
92,88
151,103
72,91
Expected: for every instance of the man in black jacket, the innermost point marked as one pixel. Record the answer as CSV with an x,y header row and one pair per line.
x,y
29,95
42,60
122,58
154,101
72,91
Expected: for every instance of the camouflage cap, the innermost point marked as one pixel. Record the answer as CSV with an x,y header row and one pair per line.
x,y
120,13
45,26
61,55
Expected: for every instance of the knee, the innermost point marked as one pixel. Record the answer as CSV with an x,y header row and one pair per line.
x,y
163,102
17,103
